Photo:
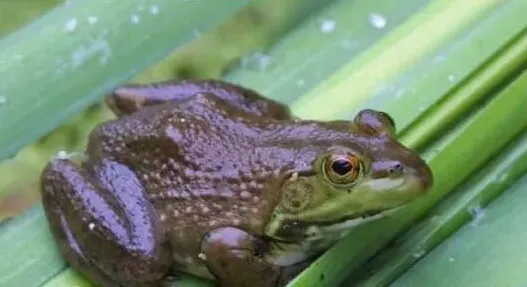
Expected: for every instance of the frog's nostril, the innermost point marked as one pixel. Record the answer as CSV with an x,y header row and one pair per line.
x,y
396,168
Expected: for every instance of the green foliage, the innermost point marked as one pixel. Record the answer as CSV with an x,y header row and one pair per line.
x,y
452,74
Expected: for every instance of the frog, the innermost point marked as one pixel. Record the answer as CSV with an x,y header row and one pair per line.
x,y
212,179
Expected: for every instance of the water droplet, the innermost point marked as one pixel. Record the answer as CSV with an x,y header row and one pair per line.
x,y
92,20
154,9
477,214
451,259
134,19
18,57
346,44
300,83
196,33
328,26
62,155
71,24
258,61
439,59
451,78
377,20
420,252
97,47
2,100
503,177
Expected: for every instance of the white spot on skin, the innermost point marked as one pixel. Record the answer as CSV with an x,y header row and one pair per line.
x,y
175,213
328,26
294,176
377,20
188,209
163,217
182,120
2,99
71,24
451,259
154,9
245,194
134,19
300,83
202,256
92,20
91,225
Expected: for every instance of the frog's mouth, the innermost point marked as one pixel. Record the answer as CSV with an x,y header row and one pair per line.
x,y
296,230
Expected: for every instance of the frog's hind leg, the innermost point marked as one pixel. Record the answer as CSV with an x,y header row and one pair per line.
x,y
113,238
73,254
129,98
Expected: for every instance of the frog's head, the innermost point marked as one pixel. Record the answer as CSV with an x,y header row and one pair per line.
x,y
350,181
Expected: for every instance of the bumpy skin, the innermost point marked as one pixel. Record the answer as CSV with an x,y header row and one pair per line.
x,y
189,177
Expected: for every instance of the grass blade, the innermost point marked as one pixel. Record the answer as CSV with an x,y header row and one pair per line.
x,y
489,253
84,60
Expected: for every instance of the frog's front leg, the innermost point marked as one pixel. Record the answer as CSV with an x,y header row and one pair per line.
x,y
129,98
236,258
104,224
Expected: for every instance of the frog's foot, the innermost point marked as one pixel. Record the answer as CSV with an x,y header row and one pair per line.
x,y
130,98
97,231
236,258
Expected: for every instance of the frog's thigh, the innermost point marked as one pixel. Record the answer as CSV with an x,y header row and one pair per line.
x,y
235,258
129,98
97,236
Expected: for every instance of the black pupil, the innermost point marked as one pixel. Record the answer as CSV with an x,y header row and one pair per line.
x,y
341,166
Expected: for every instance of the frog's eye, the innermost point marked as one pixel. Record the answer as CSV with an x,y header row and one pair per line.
x,y
342,170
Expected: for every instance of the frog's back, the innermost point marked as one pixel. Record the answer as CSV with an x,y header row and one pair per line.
x,y
200,164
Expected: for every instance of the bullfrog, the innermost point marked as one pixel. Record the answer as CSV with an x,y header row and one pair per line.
x,y
209,178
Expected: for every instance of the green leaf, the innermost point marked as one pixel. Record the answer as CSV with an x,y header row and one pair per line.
x,y
89,47
488,253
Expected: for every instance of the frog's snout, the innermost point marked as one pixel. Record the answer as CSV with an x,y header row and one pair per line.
x,y
425,177
421,175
